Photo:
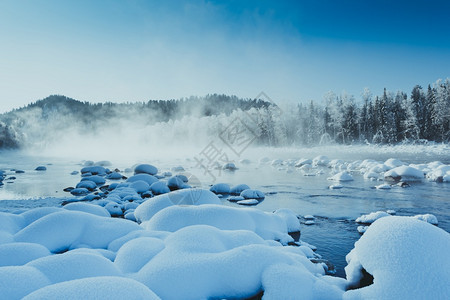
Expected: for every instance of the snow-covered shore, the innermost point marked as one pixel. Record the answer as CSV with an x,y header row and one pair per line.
x,y
185,244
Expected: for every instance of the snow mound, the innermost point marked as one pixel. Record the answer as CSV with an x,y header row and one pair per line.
x,y
372,217
408,259
18,281
427,218
292,222
134,254
269,226
88,208
180,197
18,254
392,163
65,230
226,264
320,160
341,176
74,265
405,173
103,287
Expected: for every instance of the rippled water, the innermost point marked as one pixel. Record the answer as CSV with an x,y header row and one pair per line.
x,y
334,231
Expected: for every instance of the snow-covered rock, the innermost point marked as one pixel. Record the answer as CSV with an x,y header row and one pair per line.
x,y
361,229
146,210
145,177
140,186
341,176
302,162
175,183
404,173
427,218
87,184
321,160
335,186
64,230
383,186
267,225
159,187
220,188
88,208
392,163
372,217
252,194
229,166
94,170
237,189
114,176
99,180
408,259
145,169
248,202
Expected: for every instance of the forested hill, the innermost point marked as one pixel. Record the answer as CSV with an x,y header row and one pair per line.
x,y
156,110
67,112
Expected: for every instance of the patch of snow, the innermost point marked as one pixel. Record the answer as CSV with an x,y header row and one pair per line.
x,y
372,217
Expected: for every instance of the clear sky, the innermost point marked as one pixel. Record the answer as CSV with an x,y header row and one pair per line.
x,y
137,50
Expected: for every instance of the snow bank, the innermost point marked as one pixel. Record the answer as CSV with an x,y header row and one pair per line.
x,y
180,197
408,259
106,287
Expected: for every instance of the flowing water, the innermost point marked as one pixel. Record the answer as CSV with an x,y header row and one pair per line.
x,y
334,232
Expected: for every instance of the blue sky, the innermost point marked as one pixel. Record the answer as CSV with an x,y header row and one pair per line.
x,y
137,50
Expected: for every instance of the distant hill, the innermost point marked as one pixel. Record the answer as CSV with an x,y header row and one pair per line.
x,y
65,111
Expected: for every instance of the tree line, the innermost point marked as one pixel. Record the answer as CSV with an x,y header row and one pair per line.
x,y
389,118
